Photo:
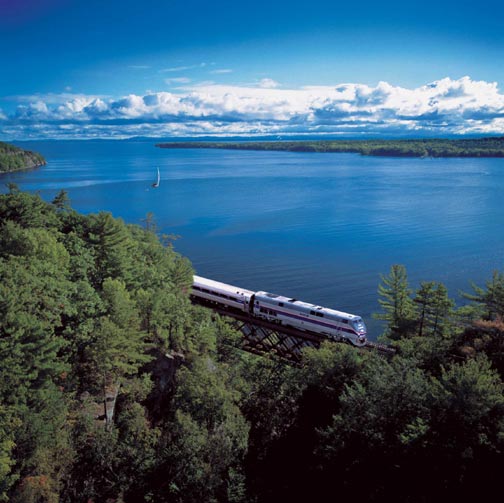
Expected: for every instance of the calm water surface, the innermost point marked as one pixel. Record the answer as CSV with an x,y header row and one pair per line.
x,y
319,227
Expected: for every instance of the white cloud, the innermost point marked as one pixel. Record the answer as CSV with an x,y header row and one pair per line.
x,y
182,68
177,80
442,107
53,98
222,70
268,83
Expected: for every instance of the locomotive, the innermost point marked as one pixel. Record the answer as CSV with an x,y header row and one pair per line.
x,y
335,325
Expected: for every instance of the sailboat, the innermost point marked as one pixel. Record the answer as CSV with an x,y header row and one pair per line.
x,y
156,184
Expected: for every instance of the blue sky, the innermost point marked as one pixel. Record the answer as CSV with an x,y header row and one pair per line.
x,y
166,68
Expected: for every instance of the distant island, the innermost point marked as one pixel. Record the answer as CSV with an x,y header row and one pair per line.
x,y
14,158
475,147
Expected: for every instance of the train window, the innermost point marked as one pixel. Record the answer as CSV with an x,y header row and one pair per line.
x,y
267,311
344,321
197,288
205,290
313,313
320,315
281,304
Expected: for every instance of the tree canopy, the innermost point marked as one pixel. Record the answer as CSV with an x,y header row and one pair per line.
x,y
13,158
115,388
461,147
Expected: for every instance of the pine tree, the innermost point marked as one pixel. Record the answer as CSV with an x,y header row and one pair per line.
x,y
61,200
434,308
491,299
111,242
395,300
118,349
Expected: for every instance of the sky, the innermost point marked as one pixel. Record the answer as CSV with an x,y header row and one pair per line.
x,y
173,68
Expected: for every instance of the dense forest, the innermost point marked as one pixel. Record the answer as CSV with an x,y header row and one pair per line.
x,y
115,388
478,147
14,158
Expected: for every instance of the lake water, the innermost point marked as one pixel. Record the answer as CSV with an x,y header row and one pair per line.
x,y
318,227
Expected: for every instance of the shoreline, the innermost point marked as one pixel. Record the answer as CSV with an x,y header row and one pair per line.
x,y
13,159
435,148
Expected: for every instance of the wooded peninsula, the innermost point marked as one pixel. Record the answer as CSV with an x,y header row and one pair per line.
x,y
13,158
476,147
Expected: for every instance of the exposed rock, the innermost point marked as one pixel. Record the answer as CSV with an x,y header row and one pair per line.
x,y
15,159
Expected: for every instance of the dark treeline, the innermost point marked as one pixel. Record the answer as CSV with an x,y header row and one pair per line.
x,y
13,158
478,147
114,388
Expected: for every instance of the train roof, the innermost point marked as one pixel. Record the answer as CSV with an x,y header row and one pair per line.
x,y
200,281
273,297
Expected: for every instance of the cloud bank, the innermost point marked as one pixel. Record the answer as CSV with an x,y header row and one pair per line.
x,y
443,107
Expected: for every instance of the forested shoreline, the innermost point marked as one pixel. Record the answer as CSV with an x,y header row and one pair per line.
x,y
13,158
95,318
469,147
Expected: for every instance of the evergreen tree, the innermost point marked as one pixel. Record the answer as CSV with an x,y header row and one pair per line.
x,y
112,244
61,200
118,349
8,424
26,210
465,443
434,308
491,299
396,302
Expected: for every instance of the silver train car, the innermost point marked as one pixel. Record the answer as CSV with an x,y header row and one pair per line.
x,y
274,308
334,324
221,293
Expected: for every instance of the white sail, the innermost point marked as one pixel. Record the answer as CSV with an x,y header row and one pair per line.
x,y
155,185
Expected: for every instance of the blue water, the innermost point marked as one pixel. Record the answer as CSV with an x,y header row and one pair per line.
x,y
319,227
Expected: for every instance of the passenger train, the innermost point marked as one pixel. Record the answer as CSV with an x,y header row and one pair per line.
x,y
334,324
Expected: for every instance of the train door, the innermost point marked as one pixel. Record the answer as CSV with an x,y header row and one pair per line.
x,y
251,305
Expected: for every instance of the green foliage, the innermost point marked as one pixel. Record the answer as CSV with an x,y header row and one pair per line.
x,y
490,301
26,210
8,425
14,158
95,318
111,245
383,409
480,147
61,201
395,300
434,309
468,405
